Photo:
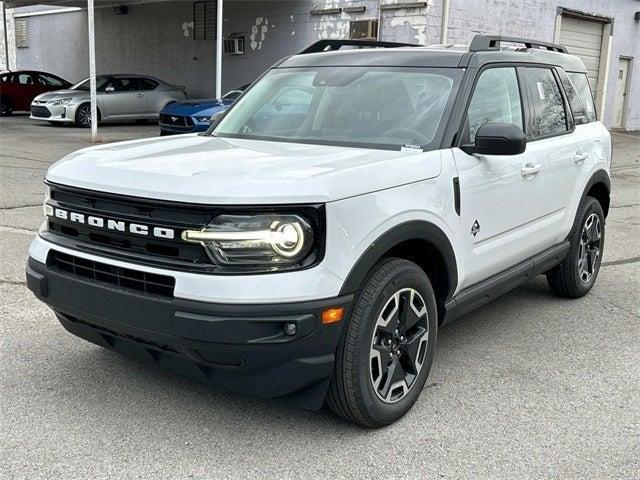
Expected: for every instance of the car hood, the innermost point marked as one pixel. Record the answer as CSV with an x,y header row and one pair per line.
x,y
195,107
45,97
211,170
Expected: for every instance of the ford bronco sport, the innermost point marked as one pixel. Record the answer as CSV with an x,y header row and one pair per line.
x,y
310,244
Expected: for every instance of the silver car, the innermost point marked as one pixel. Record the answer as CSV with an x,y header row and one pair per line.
x,y
120,97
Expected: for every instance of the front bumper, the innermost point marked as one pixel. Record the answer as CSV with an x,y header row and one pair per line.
x,y
51,113
241,347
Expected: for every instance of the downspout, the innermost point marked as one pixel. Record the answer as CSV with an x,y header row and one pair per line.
x,y
92,70
6,37
445,22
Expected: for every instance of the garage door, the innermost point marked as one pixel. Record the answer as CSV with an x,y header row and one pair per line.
x,y
584,39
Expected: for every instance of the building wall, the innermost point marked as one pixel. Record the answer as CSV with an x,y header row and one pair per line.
x,y
157,38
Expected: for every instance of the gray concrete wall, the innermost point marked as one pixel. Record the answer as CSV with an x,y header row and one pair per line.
x,y
157,39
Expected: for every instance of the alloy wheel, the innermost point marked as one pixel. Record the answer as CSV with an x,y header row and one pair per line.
x,y
589,251
398,345
84,116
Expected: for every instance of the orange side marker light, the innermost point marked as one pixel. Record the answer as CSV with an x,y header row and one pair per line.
x,y
332,315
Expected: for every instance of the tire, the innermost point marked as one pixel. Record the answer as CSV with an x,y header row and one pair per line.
x,y
6,107
575,276
361,374
83,116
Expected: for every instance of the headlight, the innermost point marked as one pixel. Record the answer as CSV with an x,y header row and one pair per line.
x,y
268,240
60,101
204,119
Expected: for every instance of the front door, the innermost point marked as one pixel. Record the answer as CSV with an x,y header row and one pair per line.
x,y
502,197
121,98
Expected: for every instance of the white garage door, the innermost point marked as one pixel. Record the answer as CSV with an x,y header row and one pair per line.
x,y
584,39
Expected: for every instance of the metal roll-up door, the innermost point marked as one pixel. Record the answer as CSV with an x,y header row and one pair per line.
x,y
584,39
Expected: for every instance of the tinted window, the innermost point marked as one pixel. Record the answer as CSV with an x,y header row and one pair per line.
x,y
496,98
147,84
23,79
123,84
581,84
548,116
49,80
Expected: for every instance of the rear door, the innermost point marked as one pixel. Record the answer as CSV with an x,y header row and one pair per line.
x,y
555,143
26,90
502,196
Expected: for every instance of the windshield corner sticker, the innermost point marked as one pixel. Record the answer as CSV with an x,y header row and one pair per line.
x,y
541,90
411,148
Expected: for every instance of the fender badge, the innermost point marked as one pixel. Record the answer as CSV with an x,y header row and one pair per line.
x,y
475,228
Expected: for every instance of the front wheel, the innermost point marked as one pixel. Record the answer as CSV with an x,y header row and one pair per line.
x,y
6,107
575,276
83,115
385,353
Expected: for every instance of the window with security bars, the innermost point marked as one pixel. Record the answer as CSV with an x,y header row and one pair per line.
x,y
204,21
21,33
363,29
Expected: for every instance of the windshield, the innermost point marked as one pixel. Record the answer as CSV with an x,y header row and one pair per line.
x,y
84,85
373,107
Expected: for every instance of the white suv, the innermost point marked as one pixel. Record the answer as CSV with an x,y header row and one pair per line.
x,y
310,244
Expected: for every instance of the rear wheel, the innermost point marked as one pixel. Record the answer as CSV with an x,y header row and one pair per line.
x,y
385,353
575,276
6,107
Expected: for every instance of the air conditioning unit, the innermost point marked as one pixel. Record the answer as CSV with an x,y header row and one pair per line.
x,y
363,29
234,45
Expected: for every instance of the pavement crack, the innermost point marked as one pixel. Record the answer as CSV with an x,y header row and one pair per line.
x,y
626,206
12,229
12,282
623,309
622,261
45,162
21,206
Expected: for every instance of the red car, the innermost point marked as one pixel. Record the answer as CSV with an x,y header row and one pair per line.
x,y
18,89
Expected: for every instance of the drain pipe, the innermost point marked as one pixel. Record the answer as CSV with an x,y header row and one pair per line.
x,y
445,22
6,39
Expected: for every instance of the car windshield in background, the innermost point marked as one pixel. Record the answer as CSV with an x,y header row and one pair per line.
x,y
84,85
373,107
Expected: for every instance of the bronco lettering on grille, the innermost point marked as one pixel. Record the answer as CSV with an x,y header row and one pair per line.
x,y
110,224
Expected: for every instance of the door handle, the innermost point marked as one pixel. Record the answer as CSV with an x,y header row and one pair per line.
x,y
140,95
530,169
579,158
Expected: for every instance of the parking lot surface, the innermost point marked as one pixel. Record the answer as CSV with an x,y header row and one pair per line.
x,y
529,386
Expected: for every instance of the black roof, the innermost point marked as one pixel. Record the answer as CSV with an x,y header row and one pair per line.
x,y
484,49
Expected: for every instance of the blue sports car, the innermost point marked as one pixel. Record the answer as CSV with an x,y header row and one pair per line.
x,y
194,115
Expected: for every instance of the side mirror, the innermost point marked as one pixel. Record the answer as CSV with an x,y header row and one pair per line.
x,y
110,89
215,117
497,139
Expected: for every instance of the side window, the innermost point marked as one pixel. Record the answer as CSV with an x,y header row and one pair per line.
x,y
548,116
147,84
49,80
23,79
581,84
130,84
496,98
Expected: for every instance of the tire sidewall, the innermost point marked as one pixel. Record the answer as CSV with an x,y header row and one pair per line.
x,y
590,205
410,277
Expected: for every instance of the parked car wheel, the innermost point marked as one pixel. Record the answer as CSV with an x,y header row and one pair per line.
x,y
6,107
83,115
575,276
386,350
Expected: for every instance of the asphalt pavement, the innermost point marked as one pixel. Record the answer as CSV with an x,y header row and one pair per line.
x,y
529,386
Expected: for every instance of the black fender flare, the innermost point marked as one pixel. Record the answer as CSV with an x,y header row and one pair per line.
x,y
412,230
599,176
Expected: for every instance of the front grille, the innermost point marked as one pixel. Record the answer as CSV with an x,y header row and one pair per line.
x,y
170,253
39,111
126,278
176,121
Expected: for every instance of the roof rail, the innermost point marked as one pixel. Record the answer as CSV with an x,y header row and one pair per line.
x,y
481,43
330,44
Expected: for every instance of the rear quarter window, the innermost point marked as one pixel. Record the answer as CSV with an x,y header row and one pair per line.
x,y
580,83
